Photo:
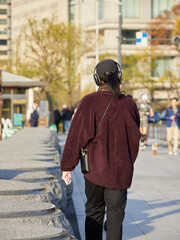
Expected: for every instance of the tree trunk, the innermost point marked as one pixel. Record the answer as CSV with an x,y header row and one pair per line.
x,y
51,116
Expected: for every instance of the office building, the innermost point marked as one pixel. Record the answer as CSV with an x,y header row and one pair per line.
x,y
102,18
5,29
22,10
136,17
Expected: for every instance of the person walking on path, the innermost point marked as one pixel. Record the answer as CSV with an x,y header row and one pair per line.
x,y
66,117
145,110
57,118
173,125
112,152
33,114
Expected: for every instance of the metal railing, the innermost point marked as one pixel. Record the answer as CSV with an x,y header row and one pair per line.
x,y
157,130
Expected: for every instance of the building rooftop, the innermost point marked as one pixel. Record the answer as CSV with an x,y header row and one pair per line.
x,y
13,80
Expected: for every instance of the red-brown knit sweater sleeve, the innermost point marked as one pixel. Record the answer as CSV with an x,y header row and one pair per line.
x,y
133,124
82,129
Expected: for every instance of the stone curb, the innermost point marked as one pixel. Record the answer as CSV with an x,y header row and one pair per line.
x,y
33,177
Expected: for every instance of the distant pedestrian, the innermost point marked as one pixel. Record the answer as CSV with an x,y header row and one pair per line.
x,y
66,117
57,118
33,114
173,125
145,110
112,152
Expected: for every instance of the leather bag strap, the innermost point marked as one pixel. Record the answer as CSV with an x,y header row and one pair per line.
x,y
104,114
100,122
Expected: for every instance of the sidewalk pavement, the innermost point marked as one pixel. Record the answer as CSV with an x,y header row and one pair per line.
x,y
153,207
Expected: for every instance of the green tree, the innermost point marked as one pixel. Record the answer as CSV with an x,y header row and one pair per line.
x,y
137,70
176,30
170,83
165,26
51,52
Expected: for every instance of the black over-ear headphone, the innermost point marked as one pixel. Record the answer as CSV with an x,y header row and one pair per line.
x,y
97,79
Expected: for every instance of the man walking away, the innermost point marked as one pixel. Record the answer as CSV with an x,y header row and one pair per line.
x,y
57,118
66,117
33,114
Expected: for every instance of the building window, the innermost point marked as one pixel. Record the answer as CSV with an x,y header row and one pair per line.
x,y
71,11
3,21
129,36
101,8
162,65
3,52
3,31
3,42
3,11
6,110
3,1
130,8
157,6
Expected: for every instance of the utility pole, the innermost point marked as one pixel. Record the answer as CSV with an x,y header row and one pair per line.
x,y
97,31
120,33
0,104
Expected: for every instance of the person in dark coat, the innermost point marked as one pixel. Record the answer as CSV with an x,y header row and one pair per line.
x,y
57,118
112,152
33,114
66,117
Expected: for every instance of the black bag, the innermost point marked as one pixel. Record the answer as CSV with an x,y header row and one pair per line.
x,y
84,152
84,161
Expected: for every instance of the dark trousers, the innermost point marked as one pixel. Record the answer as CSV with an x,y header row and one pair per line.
x,y
57,125
97,198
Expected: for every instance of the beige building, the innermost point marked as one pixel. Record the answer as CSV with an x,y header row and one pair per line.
x,y
22,10
102,18
5,29
136,16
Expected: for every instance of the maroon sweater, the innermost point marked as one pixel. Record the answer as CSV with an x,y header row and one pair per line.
x,y
114,148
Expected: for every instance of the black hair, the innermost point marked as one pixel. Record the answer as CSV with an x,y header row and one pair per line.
x,y
113,83
174,98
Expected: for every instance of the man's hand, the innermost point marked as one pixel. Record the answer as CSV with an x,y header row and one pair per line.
x,y
67,177
172,118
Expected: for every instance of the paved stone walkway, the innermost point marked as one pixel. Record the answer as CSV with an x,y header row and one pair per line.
x,y
32,194
153,207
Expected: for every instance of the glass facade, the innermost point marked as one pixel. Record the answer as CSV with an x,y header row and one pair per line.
x,y
101,9
3,21
129,36
157,6
3,42
71,11
3,11
3,31
130,8
6,108
3,1
14,101
162,65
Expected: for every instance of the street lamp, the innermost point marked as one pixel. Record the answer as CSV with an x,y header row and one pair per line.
x,y
120,33
97,31
0,104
